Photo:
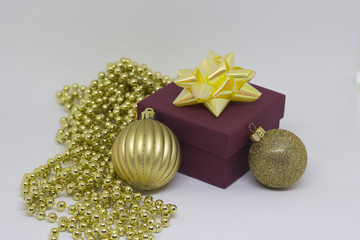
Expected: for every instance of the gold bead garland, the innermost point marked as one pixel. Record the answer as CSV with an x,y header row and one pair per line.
x,y
105,207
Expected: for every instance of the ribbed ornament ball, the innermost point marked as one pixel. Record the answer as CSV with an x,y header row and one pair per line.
x,y
146,153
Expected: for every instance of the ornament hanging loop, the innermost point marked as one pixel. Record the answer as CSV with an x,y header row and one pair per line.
x,y
148,113
257,132
252,127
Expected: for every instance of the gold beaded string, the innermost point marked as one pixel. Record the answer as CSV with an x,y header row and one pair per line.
x,y
105,207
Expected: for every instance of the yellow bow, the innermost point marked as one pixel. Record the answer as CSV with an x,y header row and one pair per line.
x,y
215,82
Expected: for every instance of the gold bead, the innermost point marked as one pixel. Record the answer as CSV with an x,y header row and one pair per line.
x,y
66,88
173,209
148,201
59,94
41,215
52,217
50,201
128,189
164,209
138,196
101,75
124,76
159,202
129,234
62,226
71,227
165,221
158,227
147,236
71,209
54,232
72,219
75,86
63,219
61,205
82,226
103,232
88,232
76,233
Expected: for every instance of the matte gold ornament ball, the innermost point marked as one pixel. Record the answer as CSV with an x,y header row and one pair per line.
x,y
146,153
277,157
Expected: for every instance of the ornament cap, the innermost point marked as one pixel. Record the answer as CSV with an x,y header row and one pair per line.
x,y
257,132
148,113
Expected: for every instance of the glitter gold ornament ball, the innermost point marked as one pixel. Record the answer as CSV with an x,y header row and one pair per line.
x,y
277,157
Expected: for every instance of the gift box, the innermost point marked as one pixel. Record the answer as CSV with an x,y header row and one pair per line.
x,y
215,149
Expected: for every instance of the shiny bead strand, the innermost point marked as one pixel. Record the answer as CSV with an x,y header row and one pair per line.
x,y
105,207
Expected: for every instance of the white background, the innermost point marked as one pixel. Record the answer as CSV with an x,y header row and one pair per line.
x,y
308,50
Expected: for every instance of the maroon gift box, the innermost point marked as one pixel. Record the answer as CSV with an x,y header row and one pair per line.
x,y
215,149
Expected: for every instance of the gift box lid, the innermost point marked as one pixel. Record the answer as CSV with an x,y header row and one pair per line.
x,y
224,135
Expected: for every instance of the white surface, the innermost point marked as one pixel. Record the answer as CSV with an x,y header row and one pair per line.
x,y
358,80
304,49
